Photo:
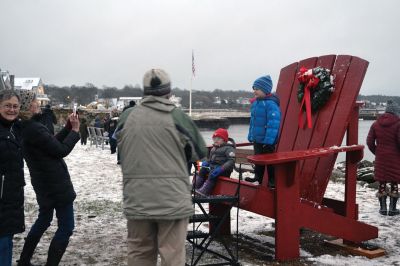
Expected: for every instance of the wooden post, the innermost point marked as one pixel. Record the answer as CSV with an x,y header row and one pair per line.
x,y
351,166
219,209
287,201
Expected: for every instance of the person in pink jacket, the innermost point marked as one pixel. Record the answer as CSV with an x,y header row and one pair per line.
x,y
384,141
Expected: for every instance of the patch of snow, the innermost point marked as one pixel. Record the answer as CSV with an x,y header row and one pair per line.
x,y
100,234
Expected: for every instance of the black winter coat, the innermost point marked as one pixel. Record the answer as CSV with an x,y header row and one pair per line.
x,y
49,119
44,155
83,130
12,182
110,126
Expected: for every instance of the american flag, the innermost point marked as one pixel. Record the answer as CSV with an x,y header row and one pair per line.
x,y
193,67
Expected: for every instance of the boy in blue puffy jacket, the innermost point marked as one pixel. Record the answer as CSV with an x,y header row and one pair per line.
x,y
264,125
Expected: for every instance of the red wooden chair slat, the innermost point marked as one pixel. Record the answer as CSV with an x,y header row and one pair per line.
x,y
318,184
290,120
339,123
320,129
285,86
305,135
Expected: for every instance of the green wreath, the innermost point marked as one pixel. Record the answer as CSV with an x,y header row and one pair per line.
x,y
321,86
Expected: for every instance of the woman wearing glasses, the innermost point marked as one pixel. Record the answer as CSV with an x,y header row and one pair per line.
x,y
11,175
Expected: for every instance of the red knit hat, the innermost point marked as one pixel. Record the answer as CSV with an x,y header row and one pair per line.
x,y
222,133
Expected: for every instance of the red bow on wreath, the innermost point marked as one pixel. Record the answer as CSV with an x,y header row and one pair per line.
x,y
306,77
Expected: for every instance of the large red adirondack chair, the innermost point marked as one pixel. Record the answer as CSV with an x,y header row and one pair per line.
x,y
304,162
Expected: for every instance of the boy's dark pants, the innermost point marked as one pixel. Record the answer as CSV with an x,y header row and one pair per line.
x,y
259,169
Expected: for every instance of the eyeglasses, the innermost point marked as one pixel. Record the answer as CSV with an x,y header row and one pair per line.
x,y
11,106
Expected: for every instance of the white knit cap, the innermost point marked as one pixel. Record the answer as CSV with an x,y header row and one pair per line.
x,y
156,82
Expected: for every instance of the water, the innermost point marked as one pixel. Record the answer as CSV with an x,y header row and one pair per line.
x,y
239,134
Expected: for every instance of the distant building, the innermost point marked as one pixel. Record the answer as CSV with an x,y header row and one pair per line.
x,y
217,100
107,103
242,100
34,84
4,80
124,101
176,100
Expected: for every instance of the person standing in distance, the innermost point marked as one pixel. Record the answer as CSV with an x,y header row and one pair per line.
x,y
131,104
384,142
156,141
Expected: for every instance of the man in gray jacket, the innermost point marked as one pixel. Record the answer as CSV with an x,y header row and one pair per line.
x,y
156,141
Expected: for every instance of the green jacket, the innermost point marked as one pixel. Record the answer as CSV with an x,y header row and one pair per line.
x,y
152,144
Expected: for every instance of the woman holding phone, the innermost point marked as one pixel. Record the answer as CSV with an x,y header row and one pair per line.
x,y
44,153
11,175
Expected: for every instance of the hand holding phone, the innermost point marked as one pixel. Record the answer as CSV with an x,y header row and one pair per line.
x,y
75,108
74,120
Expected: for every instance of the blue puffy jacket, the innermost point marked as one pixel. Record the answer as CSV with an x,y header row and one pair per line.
x,y
265,120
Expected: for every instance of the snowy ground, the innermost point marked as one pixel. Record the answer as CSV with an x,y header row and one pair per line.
x,y
100,233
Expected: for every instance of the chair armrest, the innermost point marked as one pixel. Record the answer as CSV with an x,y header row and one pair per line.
x,y
290,156
244,144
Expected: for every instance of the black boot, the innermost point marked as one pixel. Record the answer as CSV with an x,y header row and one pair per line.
x,y
392,205
382,203
30,244
271,182
56,251
252,179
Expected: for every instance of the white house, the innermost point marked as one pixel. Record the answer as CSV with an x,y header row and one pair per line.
x,y
124,101
176,100
34,84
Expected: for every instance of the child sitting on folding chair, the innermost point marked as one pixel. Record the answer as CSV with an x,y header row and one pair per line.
x,y
221,162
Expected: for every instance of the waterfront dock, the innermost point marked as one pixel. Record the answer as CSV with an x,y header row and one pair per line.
x,y
215,118
210,118
370,113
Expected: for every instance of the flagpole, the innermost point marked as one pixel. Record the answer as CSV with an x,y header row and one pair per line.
x,y
191,85
190,96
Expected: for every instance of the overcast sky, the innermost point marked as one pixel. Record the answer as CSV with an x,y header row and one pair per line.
x,y
113,42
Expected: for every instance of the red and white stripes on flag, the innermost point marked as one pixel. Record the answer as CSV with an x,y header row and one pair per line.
x,y
193,67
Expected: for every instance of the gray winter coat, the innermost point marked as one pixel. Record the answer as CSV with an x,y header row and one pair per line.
x,y
153,160
224,156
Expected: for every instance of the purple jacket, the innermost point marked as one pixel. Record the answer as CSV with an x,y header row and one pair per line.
x,y
384,141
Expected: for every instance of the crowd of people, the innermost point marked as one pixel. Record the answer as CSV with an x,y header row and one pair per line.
x,y
156,188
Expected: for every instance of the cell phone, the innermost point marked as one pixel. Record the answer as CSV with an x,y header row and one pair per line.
x,y
75,107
